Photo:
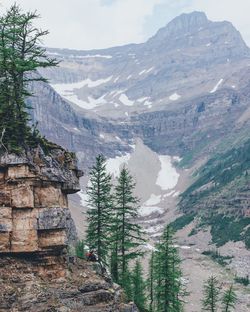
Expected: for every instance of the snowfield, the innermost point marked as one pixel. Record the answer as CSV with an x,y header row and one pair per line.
x,y
92,103
62,88
167,176
114,165
67,91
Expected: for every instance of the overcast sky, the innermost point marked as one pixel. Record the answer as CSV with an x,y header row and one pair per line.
x,y
90,24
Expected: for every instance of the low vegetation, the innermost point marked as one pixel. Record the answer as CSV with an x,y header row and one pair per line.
x,y
242,280
182,221
217,257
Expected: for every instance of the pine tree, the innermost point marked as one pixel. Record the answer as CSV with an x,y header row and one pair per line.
x,y
168,288
100,205
20,57
126,233
151,283
138,287
211,295
228,300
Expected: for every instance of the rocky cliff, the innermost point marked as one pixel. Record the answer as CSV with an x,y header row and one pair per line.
x,y
35,223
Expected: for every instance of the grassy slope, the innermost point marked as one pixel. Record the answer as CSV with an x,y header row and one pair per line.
x,y
220,194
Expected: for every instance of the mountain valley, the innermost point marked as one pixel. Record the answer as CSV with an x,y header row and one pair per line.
x,y
175,110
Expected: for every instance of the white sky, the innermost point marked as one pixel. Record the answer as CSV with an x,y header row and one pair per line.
x,y
90,24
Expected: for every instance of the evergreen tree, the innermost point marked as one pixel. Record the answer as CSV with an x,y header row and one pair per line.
x,y
151,283
138,287
126,281
100,205
228,300
20,57
211,295
126,233
168,288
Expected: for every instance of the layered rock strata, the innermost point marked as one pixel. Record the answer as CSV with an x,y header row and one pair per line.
x,y
34,213
35,272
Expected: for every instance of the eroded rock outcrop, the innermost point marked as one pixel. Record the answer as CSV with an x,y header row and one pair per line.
x,y
33,200
34,271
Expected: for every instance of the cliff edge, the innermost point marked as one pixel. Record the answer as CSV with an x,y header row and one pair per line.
x,y
35,273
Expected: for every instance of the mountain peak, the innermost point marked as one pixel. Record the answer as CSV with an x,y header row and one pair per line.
x,y
186,22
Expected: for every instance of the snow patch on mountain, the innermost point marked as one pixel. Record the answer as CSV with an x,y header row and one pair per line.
x,y
146,71
143,99
115,93
167,176
217,86
125,100
174,97
148,210
92,103
142,72
149,70
154,229
67,88
95,56
114,165
83,198
153,200
146,101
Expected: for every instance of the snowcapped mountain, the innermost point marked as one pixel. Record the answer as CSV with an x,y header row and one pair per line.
x,y
163,108
189,57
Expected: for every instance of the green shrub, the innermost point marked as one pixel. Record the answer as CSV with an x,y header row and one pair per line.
x,y
182,221
193,232
217,257
242,280
80,249
225,229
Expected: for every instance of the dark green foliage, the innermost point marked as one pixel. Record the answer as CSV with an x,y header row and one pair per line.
x,y
182,221
151,283
99,209
219,193
126,235
193,232
126,281
20,57
167,275
247,238
225,229
242,280
80,249
138,287
229,300
216,256
218,172
212,299
211,293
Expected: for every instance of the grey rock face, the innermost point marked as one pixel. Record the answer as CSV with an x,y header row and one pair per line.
x,y
186,85
53,218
